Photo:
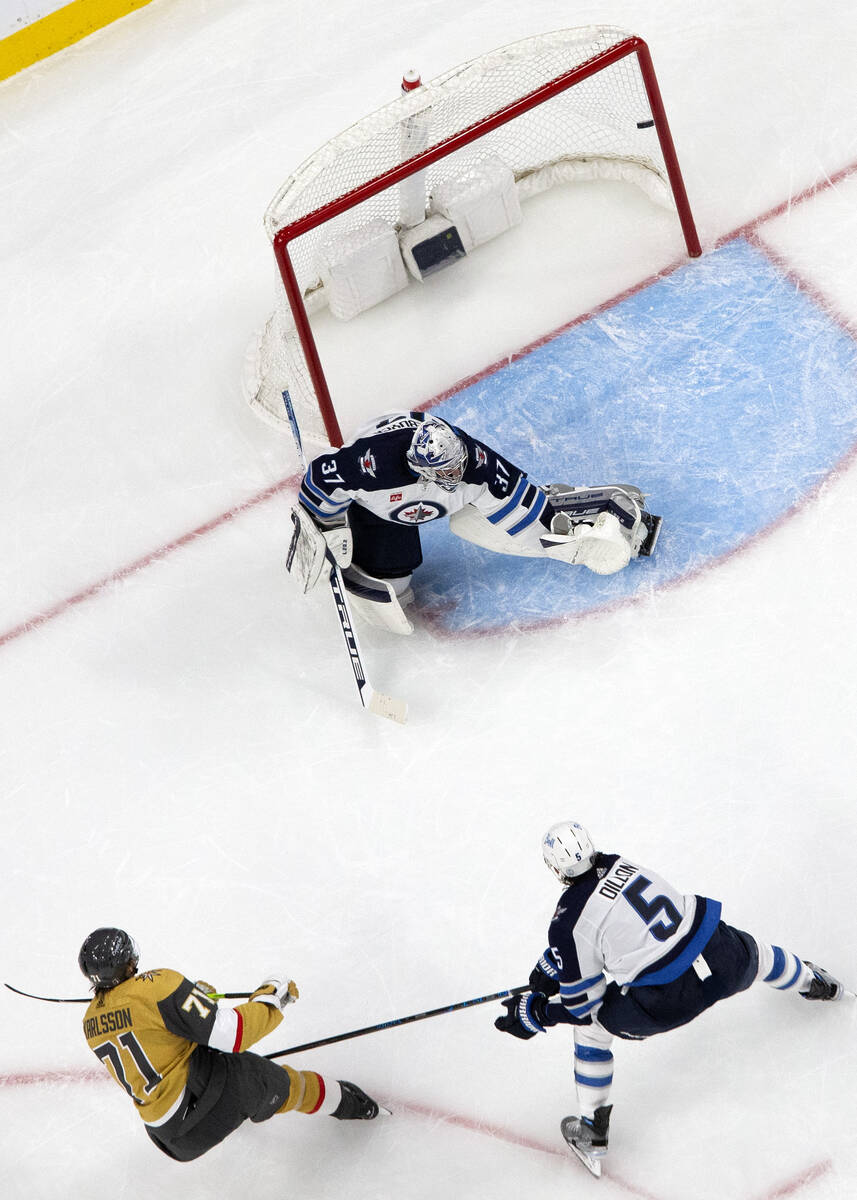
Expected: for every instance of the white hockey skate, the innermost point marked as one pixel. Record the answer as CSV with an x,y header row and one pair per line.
x,y
587,1139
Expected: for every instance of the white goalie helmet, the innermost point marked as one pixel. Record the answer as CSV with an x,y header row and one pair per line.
x,y
568,850
438,454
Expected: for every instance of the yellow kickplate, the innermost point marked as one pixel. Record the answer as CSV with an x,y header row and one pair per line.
x,y
59,29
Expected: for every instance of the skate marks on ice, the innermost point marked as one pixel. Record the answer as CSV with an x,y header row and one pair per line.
x,y
613,1181
722,391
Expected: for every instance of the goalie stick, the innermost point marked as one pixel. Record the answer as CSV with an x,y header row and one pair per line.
x,y
378,703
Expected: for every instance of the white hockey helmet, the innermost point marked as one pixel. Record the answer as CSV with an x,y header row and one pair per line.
x,y
438,454
568,850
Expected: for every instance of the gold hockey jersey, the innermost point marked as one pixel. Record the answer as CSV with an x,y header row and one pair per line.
x,y
145,1029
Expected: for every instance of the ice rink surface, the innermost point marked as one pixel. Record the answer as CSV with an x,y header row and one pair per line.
x,y
183,753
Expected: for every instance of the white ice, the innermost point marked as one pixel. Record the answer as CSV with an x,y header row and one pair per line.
x,y
183,753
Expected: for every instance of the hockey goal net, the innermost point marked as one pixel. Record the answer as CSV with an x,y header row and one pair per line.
x,y
441,169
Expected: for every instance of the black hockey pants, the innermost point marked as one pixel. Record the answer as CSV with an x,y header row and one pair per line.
x,y
223,1091
382,548
639,1012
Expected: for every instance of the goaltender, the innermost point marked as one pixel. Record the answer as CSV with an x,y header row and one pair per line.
x,y
183,1060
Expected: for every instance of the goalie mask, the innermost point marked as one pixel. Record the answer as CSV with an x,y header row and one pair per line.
x,y
106,955
438,454
568,850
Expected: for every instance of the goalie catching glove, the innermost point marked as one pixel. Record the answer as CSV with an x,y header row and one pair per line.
x,y
312,547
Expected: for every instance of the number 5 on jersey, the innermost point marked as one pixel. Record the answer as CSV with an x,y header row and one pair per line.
x,y
649,910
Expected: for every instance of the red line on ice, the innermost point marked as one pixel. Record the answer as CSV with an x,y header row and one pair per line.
x,y
749,230
140,564
514,1139
791,1187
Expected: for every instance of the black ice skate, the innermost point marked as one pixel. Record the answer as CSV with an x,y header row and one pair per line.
x,y
587,1137
355,1105
823,986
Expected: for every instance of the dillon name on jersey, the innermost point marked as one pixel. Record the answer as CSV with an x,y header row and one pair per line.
x,y
629,922
372,471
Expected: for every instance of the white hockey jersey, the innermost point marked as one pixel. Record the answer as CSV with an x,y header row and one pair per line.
x,y
627,922
372,471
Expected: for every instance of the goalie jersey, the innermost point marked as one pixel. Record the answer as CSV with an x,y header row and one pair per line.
x,y
372,471
624,921
146,1029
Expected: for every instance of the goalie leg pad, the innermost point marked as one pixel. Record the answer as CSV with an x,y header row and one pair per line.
x,y
624,500
379,602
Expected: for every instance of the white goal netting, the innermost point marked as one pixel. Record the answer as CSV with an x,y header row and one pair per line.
x,y
600,126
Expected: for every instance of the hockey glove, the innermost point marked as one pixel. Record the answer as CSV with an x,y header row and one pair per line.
x,y
308,550
525,1015
278,992
544,976
340,543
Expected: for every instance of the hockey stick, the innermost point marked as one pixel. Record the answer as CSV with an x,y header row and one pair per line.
x,y
88,999
378,703
434,1012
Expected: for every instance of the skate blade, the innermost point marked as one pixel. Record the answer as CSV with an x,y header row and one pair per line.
x,y
384,1112
592,1164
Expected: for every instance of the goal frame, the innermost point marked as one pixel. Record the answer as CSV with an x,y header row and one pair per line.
x,y
464,137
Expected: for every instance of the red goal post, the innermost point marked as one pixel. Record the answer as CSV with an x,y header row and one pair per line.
x,y
570,104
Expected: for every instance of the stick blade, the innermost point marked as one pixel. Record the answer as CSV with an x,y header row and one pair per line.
x,y
391,707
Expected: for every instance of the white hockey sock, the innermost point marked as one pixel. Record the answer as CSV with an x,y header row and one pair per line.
x,y
593,1067
332,1097
781,969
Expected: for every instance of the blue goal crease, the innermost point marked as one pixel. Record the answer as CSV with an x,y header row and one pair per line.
x,y
720,391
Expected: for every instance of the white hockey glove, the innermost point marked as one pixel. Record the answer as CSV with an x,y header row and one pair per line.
x,y
278,991
340,544
600,545
307,554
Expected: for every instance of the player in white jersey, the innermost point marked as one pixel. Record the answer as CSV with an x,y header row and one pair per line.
x,y
668,957
404,469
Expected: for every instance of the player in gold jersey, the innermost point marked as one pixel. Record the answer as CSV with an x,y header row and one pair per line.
x,y
184,1061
